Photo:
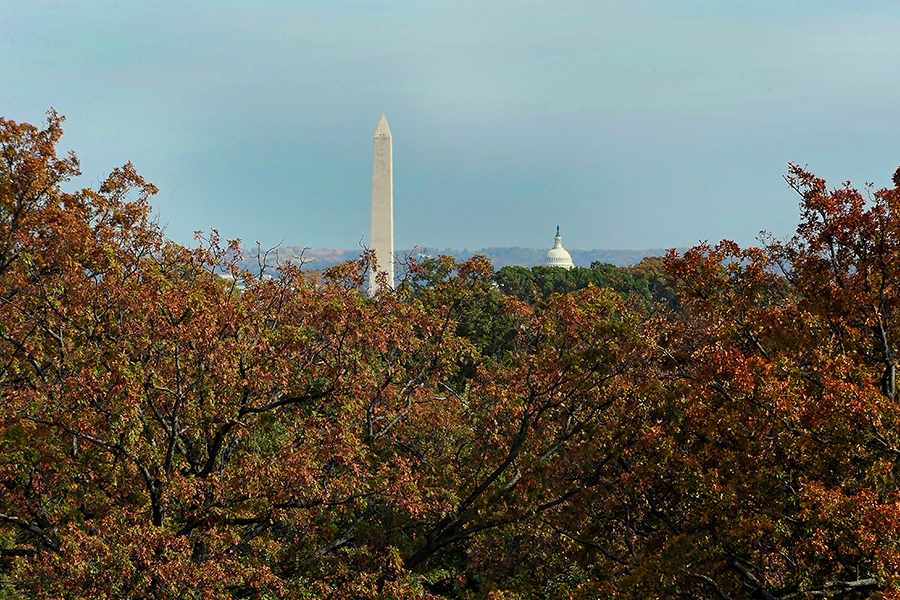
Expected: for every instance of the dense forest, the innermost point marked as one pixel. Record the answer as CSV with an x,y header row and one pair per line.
x,y
720,423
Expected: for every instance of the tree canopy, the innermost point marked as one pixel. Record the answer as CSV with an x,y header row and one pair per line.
x,y
539,283
174,427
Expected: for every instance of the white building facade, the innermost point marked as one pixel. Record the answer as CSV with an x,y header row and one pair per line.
x,y
557,256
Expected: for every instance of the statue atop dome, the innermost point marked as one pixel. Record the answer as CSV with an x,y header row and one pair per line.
x,y
557,256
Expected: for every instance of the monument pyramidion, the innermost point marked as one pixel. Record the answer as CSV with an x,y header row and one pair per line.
x,y
382,207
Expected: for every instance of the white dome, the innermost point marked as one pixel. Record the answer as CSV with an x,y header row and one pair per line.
x,y
557,256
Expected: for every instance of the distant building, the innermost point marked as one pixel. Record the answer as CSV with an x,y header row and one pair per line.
x,y
383,206
557,256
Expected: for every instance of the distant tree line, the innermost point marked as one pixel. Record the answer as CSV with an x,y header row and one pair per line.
x,y
647,281
323,258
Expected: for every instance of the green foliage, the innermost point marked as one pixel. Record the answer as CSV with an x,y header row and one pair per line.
x,y
530,285
469,299
662,290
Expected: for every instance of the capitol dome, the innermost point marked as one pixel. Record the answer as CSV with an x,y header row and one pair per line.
x,y
557,255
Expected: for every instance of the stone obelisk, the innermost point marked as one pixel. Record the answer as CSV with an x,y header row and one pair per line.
x,y
383,205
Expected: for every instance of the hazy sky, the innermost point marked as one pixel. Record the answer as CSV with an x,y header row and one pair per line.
x,y
630,124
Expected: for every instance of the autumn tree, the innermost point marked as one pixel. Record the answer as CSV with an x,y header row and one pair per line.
x,y
175,427
170,433
766,468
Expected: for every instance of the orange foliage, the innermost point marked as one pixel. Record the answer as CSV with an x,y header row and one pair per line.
x,y
167,432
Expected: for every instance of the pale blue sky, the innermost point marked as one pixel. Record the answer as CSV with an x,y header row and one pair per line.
x,y
630,124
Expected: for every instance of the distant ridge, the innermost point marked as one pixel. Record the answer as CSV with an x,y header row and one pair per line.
x,y
322,258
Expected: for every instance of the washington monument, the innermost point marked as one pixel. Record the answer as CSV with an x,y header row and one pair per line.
x,y
382,206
